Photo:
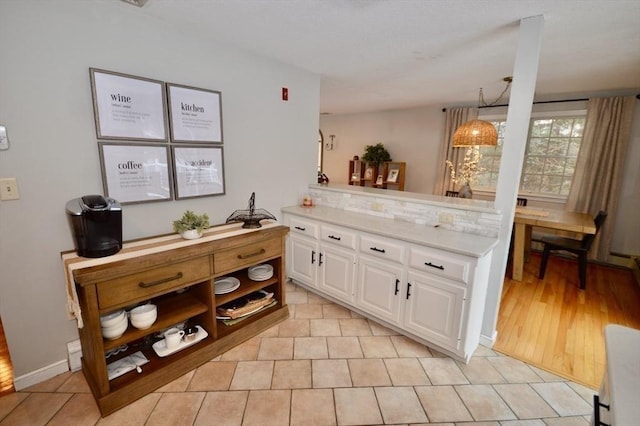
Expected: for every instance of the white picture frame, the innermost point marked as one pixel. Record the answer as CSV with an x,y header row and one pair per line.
x,y
136,173
195,114
198,171
128,108
393,175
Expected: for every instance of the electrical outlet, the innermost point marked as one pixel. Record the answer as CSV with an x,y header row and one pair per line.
x,y
445,218
9,189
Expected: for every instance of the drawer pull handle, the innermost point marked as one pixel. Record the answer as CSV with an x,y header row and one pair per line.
x,y
334,237
162,281
247,256
397,289
434,266
299,228
377,249
408,290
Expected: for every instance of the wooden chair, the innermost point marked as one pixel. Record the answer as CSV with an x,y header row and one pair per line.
x,y
522,202
451,194
579,248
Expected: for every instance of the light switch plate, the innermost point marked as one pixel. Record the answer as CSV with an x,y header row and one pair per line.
x,y
9,189
4,139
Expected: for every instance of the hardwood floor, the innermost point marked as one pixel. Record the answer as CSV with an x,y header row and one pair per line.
x,y
6,369
555,326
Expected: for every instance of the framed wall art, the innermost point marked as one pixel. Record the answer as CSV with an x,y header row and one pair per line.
x,y
128,108
195,115
393,175
136,173
198,171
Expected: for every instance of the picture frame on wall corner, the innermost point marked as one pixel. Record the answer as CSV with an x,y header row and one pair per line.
x,y
198,171
128,108
195,115
136,173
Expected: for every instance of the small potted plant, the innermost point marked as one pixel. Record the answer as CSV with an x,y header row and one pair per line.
x,y
376,154
191,225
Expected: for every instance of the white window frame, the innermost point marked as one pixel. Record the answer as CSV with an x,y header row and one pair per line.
x,y
548,198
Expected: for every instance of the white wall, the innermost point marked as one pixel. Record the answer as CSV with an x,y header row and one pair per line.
x,y
411,135
45,102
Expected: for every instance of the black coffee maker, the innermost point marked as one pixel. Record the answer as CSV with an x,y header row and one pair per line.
x,y
96,223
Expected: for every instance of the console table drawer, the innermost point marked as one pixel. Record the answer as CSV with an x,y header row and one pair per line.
x,y
251,254
147,284
440,263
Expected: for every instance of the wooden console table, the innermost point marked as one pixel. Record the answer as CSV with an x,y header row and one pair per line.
x,y
176,275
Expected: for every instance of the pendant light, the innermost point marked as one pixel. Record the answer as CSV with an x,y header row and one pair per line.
x,y
479,132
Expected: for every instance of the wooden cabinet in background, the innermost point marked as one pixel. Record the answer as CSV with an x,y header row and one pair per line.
x,y
177,276
388,175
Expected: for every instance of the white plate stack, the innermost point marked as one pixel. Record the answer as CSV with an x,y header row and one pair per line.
x,y
226,285
261,272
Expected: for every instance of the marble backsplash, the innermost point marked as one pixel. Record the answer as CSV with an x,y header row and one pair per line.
x,y
472,217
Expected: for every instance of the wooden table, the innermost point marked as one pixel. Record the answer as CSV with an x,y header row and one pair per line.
x,y
561,220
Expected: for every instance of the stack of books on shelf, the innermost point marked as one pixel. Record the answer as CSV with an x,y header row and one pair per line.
x,y
238,309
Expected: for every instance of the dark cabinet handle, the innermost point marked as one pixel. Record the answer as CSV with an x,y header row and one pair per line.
x,y
162,281
335,238
247,256
377,249
397,289
299,228
320,260
313,257
434,266
596,411
408,290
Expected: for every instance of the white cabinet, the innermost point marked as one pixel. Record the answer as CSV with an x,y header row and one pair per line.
x,y
434,309
380,288
327,264
433,295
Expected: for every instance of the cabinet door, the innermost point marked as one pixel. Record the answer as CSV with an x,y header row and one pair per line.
x,y
336,274
434,309
380,289
303,258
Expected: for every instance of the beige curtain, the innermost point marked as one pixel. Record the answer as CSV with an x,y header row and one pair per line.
x,y
599,168
454,117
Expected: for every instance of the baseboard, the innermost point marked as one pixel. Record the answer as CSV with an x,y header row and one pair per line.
x,y
488,341
40,375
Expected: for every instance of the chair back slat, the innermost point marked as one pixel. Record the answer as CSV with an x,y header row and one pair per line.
x,y
588,239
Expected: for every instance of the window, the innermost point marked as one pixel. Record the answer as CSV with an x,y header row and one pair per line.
x,y
552,148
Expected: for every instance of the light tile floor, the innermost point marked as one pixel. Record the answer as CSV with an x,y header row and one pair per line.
x,y
325,365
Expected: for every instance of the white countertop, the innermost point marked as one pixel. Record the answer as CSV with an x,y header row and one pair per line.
x,y
622,345
427,235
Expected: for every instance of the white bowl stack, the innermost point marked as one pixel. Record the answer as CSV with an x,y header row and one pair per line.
x,y
260,272
143,316
114,324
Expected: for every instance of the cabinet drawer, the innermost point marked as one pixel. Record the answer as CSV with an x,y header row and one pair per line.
x,y
242,257
146,284
382,248
303,227
339,236
441,263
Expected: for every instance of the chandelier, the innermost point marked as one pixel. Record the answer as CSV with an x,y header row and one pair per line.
x,y
479,132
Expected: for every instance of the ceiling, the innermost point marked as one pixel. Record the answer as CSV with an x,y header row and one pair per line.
x,y
375,55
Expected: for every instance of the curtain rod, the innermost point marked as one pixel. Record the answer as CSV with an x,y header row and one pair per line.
x,y
539,102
